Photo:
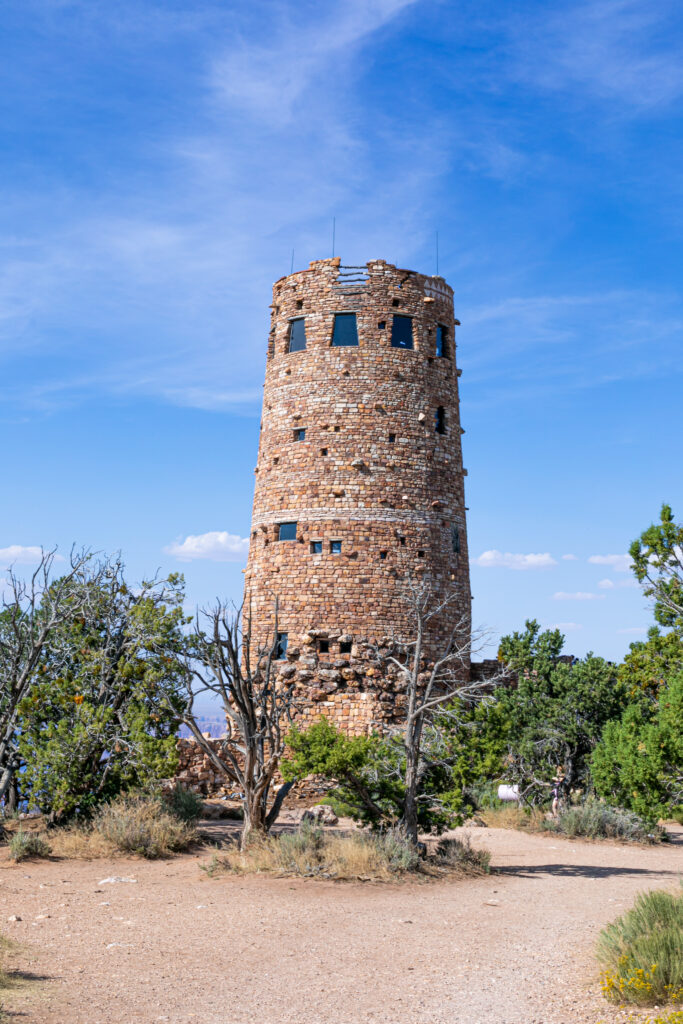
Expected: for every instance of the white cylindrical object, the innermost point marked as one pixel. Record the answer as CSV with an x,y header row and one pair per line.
x,y
508,793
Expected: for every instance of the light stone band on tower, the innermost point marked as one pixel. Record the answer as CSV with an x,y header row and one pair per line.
x,y
359,477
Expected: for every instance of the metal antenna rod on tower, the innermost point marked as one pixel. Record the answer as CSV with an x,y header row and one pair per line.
x,y
334,227
437,253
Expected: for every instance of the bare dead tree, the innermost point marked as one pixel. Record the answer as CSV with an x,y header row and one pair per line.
x,y
31,612
258,708
436,683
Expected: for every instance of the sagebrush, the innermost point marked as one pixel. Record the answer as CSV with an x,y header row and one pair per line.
x,y
594,819
460,854
143,825
641,951
28,844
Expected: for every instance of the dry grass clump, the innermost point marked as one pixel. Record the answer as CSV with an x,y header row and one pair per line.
x,y
80,842
23,845
142,825
512,816
641,951
308,852
594,819
460,855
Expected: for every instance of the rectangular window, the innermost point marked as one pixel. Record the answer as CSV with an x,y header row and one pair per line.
x,y
286,531
455,539
300,434
345,331
392,438
402,332
442,341
440,420
323,451
280,646
335,547
297,335
382,324
324,646
345,647
402,541
383,554
316,547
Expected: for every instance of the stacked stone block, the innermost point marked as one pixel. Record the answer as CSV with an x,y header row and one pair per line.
x,y
360,448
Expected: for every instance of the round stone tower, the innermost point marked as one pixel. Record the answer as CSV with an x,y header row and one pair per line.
x,y
359,478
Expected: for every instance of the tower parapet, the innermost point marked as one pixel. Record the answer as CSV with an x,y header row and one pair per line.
x,y
359,477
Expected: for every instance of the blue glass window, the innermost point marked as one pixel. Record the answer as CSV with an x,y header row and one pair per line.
x,y
440,420
280,645
316,547
300,434
297,335
335,547
402,332
345,331
287,531
442,341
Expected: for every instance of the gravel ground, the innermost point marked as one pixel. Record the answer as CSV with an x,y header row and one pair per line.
x,y
176,946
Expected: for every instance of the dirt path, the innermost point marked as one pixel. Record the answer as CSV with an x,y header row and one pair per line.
x,y
511,948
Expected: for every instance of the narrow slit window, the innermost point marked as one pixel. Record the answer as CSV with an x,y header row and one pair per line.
x,y
299,303
300,434
286,531
280,646
383,554
323,451
402,541
392,438
345,647
442,341
345,333
316,547
402,332
323,646
335,547
297,335
440,420
455,539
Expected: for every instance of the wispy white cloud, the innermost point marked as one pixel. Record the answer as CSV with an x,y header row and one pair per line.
x,y
22,554
608,584
567,627
506,560
214,546
619,563
579,595
569,558
617,51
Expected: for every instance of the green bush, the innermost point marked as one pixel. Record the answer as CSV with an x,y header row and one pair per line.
x,y
184,803
460,854
142,825
395,847
28,844
594,819
641,951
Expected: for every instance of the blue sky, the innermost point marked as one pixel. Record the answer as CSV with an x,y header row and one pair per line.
x,y
161,161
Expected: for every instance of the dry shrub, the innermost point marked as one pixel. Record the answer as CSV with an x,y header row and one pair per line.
x,y
80,842
308,852
594,819
512,816
641,951
28,844
460,855
143,826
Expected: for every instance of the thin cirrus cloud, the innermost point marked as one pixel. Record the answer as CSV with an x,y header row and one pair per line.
x,y
608,584
577,595
21,554
214,546
619,563
507,560
569,558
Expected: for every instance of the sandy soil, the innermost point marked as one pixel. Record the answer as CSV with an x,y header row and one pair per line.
x,y
176,946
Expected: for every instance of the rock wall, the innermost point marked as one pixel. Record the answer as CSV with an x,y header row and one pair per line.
x,y
360,453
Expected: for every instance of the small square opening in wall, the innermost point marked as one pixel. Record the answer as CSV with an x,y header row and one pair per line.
x,y
286,531
420,554
299,303
382,325
337,429
323,646
323,451
383,554
335,547
280,646
392,438
394,302
300,434
316,547
345,647
402,541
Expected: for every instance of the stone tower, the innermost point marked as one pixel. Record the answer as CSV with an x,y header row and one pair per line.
x,y
359,477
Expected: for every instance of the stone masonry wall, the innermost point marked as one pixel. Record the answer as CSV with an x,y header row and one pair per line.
x,y
371,473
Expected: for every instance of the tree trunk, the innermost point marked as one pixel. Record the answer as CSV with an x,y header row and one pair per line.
x,y
410,804
254,827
